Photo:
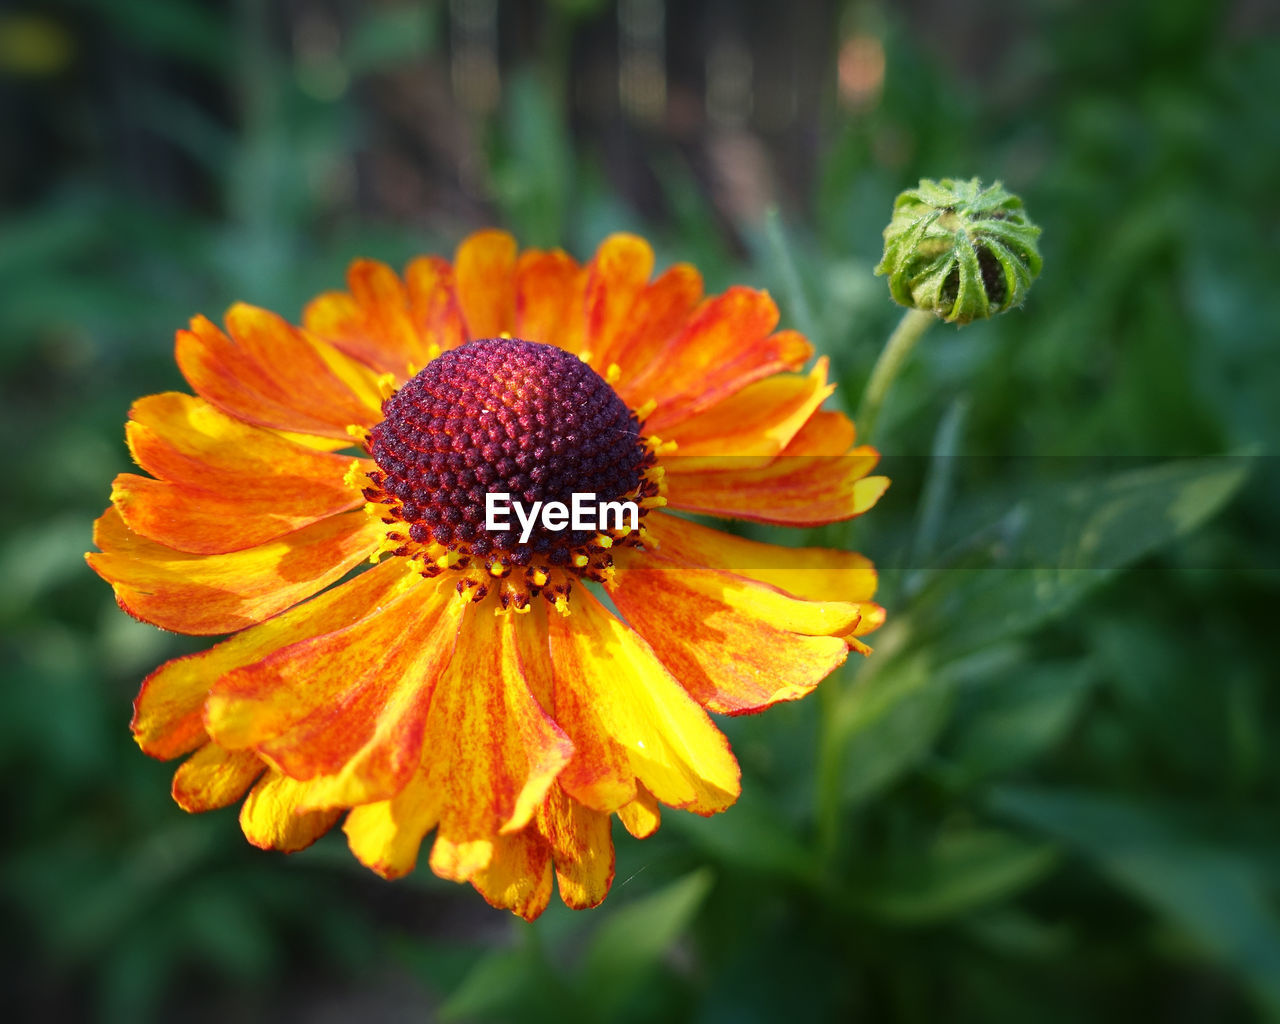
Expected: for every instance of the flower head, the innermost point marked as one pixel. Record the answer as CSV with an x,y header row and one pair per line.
x,y
469,681
960,250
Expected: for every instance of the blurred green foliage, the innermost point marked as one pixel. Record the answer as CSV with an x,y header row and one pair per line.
x,y
1048,795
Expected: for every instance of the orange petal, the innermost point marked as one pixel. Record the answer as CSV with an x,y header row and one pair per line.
x,y
818,574
185,440
656,316
434,301
270,818
386,836
736,645
807,485
275,375
205,594
791,492
346,710
492,749
723,348
202,522
824,433
549,288
642,816
374,323
484,269
213,777
630,721
168,713
615,279
518,877
757,423
582,846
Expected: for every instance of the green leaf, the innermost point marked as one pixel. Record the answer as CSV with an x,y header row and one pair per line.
x,y
634,938
960,871
1215,893
510,983
1054,546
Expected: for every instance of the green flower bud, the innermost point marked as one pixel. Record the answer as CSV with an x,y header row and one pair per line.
x,y
960,250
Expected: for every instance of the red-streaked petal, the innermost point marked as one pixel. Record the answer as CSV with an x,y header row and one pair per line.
x,y
201,522
630,721
813,482
271,820
615,279
484,273
168,712
790,492
374,323
434,301
582,846
736,645
656,317
518,877
723,348
272,374
549,287
209,594
493,751
213,777
346,710
757,423
185,440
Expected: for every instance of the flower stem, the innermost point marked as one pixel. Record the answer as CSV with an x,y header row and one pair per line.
x,y
913,324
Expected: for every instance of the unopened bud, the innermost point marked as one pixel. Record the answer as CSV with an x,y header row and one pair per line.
x,y
959,250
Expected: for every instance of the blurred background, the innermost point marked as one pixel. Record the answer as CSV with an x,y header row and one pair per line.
x,y
1050,794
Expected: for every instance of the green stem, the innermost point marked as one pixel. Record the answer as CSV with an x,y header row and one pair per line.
x,y
892,357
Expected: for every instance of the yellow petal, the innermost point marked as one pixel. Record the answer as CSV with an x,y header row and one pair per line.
x,y
213,777
736,645
582,846
386,836
630,721
270,818
818,574
518,877
642,816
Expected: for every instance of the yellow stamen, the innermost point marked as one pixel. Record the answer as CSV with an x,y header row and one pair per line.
x,y
355,477
613,374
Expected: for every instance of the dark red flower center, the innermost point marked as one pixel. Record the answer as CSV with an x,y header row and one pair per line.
x,y
504,416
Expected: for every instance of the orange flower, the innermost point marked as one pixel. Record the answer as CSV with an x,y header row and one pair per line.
x,y
470,682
